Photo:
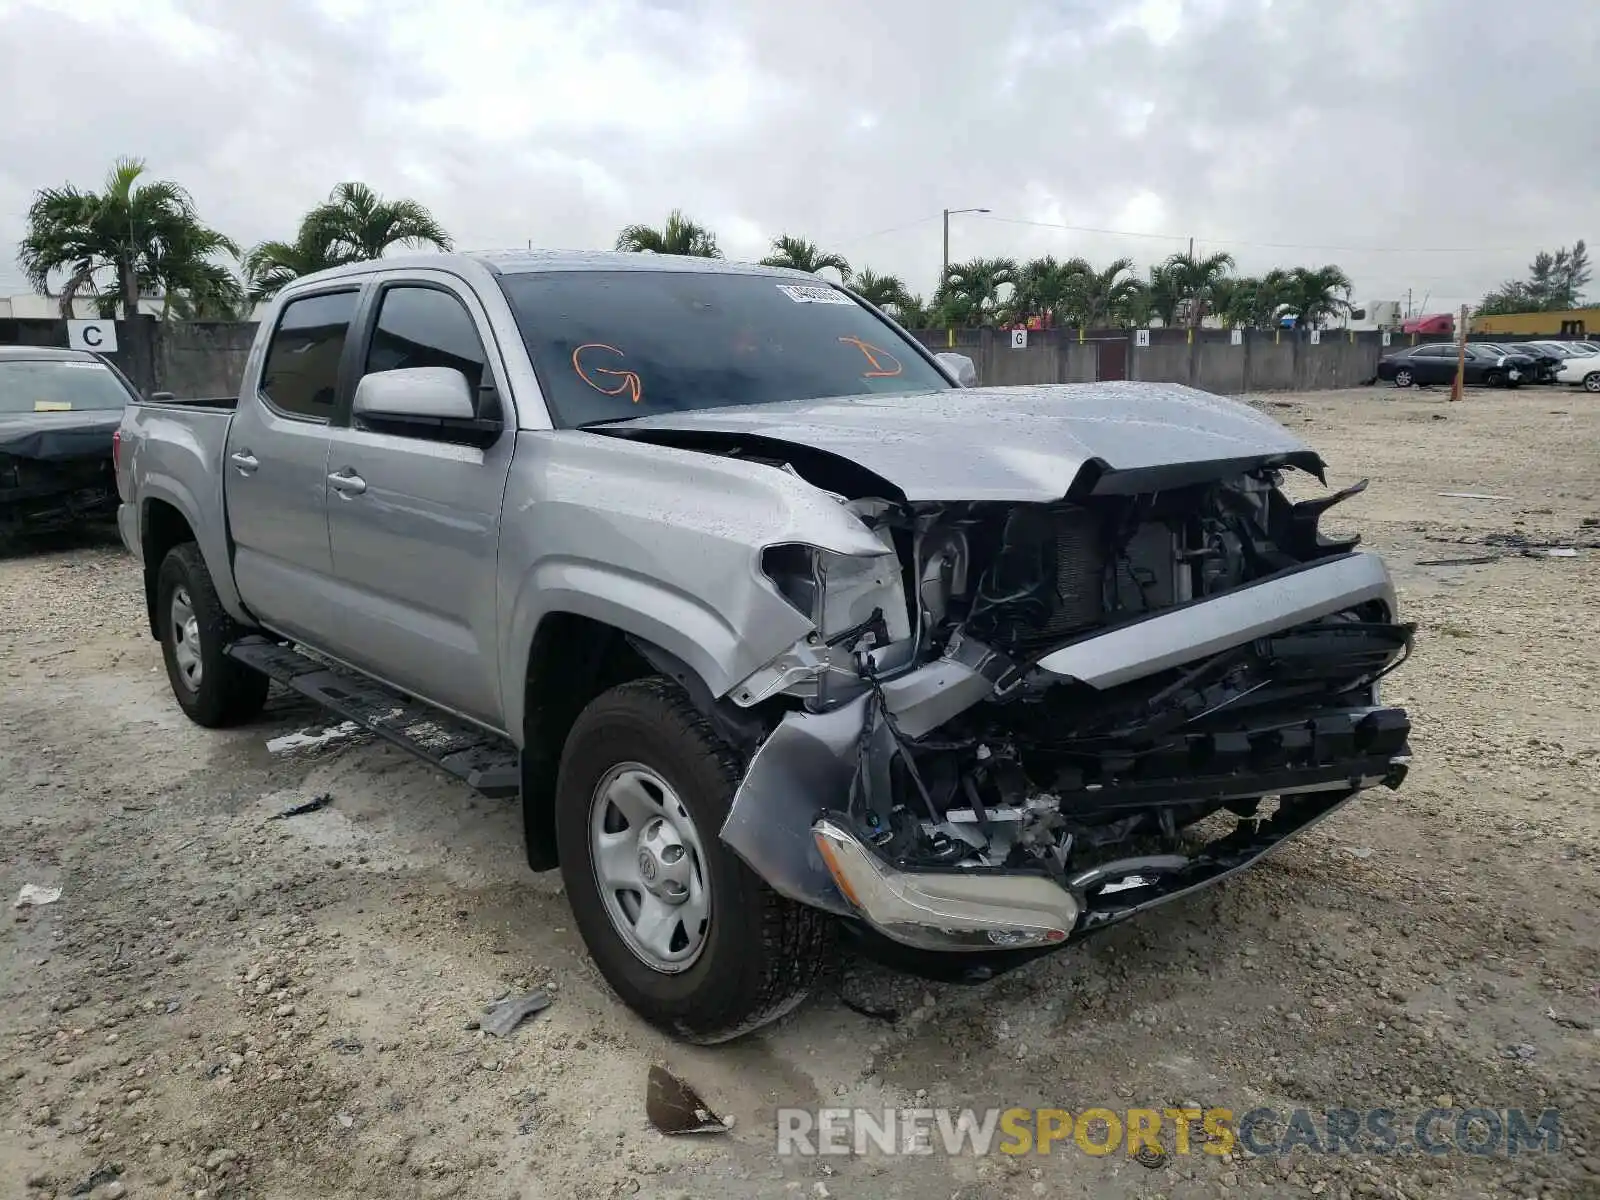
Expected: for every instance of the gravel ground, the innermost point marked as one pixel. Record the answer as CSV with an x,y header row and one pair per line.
x,y
223,1005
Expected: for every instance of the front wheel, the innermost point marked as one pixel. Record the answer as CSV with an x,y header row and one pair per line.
x,y
1402,377
1591,382
213,689
686,934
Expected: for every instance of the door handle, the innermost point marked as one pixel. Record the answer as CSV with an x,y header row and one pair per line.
x,y
347,482
245,461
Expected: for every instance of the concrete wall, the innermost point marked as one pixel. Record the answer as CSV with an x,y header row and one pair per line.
x,y
1264,361
203,358
187,358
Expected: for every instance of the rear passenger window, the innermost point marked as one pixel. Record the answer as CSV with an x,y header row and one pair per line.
x,y
301,375
425,327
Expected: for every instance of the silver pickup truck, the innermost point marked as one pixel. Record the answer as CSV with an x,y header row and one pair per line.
x,y
781,632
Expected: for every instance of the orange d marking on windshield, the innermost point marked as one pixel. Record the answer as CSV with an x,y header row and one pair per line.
x,y
884,364
627,381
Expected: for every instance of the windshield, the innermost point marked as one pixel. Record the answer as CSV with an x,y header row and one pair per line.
x,y
611,345
58,385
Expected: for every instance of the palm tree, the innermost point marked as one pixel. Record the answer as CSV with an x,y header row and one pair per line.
x,y
1196,279
1159,296
679,235
1043,287
1250,302
1097,298
364,224
970,292
1316,295
801,255
885,291
138,232
272,266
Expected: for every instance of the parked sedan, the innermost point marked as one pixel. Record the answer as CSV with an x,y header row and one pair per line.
x,y
1546,362
1436,363
58,412
1584,370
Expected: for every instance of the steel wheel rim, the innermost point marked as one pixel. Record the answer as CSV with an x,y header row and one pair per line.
x,y
1591,382
1403,378
649,867
186,640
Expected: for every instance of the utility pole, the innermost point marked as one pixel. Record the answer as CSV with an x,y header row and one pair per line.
x,y
1191,249
1461,355
944,270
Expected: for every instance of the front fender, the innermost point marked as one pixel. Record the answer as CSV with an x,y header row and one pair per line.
x,y
660,543
681,624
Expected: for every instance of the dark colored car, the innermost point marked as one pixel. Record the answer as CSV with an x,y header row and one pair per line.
x,y
1546,362
1436,363
58,412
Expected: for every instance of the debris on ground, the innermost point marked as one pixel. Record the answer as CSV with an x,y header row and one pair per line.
x,y
1150,1156
674,1107
302,740
1459,562
1473,496
1358,851
504,1015
99,1176
300,810
32,895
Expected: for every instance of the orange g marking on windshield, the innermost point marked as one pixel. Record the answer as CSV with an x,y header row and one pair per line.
x,y
627,381
884,364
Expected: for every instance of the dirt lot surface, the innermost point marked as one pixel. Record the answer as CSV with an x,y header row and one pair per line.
x,y
221,1004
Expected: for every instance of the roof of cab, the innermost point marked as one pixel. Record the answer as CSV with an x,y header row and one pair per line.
x,y
520,262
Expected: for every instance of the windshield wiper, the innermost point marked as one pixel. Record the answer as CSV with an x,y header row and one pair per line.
x,y
607,421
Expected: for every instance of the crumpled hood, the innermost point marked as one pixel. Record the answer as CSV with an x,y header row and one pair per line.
x,y
1026,444
59,436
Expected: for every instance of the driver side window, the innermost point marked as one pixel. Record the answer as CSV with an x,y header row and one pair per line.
x,y
425,327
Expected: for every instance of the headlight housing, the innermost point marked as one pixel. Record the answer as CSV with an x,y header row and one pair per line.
x,y
841,593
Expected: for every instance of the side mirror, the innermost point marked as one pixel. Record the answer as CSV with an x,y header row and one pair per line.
x,y
417,394
960,368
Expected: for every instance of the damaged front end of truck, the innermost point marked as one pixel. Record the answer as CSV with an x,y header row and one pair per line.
x,y
1023,721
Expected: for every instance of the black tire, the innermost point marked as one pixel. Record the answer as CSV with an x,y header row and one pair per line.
x,y
1493,379
1591,382
1402,377
228,692
762,952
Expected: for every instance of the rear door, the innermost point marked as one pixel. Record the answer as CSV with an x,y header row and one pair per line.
x,y
276,469
1428,364
414,518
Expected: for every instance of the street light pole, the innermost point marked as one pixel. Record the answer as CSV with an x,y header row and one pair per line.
x,y
945,270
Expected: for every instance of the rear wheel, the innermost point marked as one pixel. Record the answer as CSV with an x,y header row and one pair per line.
x,y
1494,379
213,689
1402,377
686,934
1591,382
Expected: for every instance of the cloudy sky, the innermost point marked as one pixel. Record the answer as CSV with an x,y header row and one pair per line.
x,y
1423,144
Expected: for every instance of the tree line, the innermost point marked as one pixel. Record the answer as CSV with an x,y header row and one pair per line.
x,y
1555,282
139,238
1183,289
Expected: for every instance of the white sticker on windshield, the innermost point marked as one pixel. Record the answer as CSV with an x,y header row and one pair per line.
x,y
801,294
79,363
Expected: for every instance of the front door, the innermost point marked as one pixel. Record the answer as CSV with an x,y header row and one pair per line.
x,y
416,537
275,469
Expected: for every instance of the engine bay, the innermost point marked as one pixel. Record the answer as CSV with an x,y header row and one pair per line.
x,y
1036,771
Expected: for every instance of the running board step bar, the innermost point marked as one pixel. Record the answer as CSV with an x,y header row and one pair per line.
x,y
478,758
